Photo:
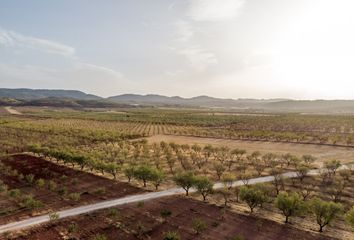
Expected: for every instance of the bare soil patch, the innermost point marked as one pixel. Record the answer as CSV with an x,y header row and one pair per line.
x,y
145,221
321,152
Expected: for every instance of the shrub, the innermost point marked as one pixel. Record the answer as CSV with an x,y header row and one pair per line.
x,y
40,183
99,237
100,191
63,191
14,193
52,185
31,203
349,217
73,227
165,213
238,237
74,196
171,236
29,178
253,196
113,213
3,187
140,204
198,225
53,216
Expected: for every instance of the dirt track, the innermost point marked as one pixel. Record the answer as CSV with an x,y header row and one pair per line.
x,y
322,153
12,111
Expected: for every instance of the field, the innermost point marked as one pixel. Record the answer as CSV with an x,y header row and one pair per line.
x,y
150,220
321,152
61,158
61,188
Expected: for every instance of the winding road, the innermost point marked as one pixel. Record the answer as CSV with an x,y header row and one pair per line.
x,y
30,222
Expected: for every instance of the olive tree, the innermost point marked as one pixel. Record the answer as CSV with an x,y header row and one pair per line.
x,y
289,204
185,180
325,211
143,173
204,186
157,177
253,195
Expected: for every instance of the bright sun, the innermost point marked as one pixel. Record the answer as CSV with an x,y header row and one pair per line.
x,y
316,50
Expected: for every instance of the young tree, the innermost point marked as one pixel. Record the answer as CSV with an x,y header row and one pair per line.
x,y
268,159
287,158
239,153
253,196
349,217
112,168
143,173
185,180
53,216
302,171
40,183
324,211
226,193
204,186
207,152
171,236
336,190
305,190
157,177
219,169
308,159
171,160
198,225
228,180
258,166
245,178
278,180
129,172
290,205
332,167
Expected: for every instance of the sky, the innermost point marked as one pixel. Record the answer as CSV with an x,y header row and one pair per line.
x,y
299,49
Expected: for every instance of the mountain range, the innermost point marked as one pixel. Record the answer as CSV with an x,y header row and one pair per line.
x,y
73,98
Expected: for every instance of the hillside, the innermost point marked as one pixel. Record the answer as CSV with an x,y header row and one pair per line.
x,y
31,94
73,98
200,101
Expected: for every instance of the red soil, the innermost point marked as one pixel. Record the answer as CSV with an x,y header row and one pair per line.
x,y
147,218
75,181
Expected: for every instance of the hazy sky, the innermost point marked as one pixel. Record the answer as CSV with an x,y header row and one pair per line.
x,y
223,48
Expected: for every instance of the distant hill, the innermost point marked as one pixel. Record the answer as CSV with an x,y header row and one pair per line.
x,y
78,99
62,102
31,94
200,101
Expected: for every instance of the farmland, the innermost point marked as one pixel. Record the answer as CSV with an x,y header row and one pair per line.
x,y
167,215
59,158
35,186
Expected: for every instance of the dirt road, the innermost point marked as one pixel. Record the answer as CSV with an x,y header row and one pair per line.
x,y
12,111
